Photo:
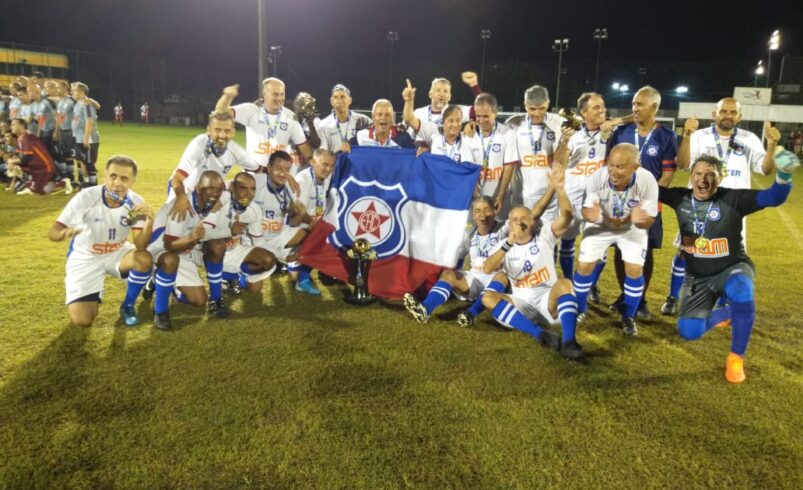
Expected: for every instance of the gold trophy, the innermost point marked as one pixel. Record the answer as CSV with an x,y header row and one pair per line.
x,y
572,119
362,255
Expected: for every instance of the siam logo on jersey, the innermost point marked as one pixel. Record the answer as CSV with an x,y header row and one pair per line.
x,y
372,211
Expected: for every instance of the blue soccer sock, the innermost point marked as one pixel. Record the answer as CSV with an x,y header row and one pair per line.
x,y
718,315
678,272
598,268
136,281
567,314
164,286
744,316
566,257
214,275
243,275
634,289
437,296
477,307
230,276
582,285
302,270
506,314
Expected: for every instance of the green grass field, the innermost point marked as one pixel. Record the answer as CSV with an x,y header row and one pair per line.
x,y
295,391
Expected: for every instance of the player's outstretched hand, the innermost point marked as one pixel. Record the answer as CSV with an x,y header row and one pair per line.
x,y
557,176
69,233
565,135
232,91
142,210
181,208
408,94
470,78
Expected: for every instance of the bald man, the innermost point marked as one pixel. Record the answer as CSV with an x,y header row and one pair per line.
x,y
383,132
621,203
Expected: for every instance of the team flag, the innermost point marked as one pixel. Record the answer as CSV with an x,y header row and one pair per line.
x,y
412,210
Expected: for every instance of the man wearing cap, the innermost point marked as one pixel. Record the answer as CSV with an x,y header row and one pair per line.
x,y
342,124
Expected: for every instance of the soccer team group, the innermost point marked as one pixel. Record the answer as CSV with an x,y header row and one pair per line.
x,y
543,183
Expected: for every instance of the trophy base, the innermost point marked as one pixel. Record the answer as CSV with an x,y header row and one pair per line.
x,y
360,300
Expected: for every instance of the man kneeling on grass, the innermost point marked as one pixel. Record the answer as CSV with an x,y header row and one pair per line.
x,y
538,296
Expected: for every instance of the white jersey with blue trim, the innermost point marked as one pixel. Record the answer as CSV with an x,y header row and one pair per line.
x,y
427,114
250,216
536,144
642,191
333,133
215,226
586,157
103,229
198,157
479,248
743,154
464,150
276,205
531,266
313,193
266,133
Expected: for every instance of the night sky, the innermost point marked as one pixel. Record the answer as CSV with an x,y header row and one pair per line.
x,y
328,41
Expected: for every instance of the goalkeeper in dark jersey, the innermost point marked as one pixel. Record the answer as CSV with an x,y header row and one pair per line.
x,y
710,226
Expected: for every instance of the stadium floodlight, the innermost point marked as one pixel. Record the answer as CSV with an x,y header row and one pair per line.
x,y
623,88
559,46
600,34
393,37
682,89
760,67
615,86
774,45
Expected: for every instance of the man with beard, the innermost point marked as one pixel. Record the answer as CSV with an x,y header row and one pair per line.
x,y
215,150
710,224
740,152
657,149
440,94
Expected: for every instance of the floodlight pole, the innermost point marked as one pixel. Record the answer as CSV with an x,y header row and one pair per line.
x,y
560,45
600,34
393,37
485,34
261,39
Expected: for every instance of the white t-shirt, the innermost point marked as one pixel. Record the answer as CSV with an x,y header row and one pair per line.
x,y
643,191
425,114
266,133
466,150
103,229
276,205
531,266
478,248
251,217
333,133
496,150
747,154
215,225
198,158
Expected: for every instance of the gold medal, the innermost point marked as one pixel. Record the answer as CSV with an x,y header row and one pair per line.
x,y
318,211
701,243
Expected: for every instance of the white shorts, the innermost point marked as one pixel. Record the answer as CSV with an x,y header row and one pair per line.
x,y
632,242
534,306
275,244
188,264
85,272
235,257
477,281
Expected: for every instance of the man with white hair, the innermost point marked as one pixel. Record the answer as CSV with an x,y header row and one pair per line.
x,y
657,149
269,126
740,152
383,131
621,203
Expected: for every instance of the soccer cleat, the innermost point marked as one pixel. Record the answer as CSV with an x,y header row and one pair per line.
x,y
149,289
734,368
129,315
25,192
571,350
580,318
593,294
643,312
618,306
306,286
629,326
233,287
723,324
415,308
550,340
465,319
68,187
218,308
162,321
670,307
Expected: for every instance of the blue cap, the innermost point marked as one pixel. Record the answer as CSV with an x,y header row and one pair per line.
x,y
342,87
